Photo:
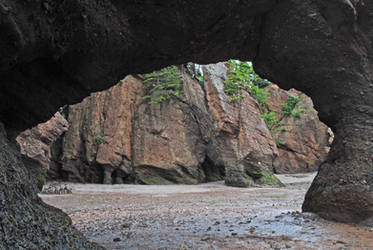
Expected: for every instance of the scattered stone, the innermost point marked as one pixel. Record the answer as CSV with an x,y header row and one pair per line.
x,y
56,188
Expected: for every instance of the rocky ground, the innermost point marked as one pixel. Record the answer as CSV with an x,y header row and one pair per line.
x,y
205,216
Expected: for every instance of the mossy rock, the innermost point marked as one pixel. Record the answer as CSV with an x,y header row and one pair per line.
x,y
269,179
154,180
238,179
186,180
253,171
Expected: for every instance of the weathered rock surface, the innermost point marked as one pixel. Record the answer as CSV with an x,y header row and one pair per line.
x,y
245,145
116,136
26,221
303,141
54,53
36,145
324,48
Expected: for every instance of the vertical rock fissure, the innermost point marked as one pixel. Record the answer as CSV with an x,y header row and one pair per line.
x,y
134,119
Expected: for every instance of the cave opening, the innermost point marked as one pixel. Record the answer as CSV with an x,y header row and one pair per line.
x,y
279,153
56,53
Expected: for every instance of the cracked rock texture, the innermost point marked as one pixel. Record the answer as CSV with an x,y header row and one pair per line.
x,y
116,136
303,140
36,145
26,221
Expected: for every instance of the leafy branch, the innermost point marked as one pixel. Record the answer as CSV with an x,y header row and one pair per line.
x,y
242,77
163,84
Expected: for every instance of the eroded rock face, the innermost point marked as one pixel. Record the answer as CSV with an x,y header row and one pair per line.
x,y
116,136
36,145
303,141
327,55
245,145
26,221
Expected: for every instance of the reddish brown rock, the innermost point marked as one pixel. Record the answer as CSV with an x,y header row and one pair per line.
x,y
168,143
117,136
245,145
303,140
35,144
99,138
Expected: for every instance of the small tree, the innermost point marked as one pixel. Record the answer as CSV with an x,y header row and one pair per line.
x,y
242,77
162,84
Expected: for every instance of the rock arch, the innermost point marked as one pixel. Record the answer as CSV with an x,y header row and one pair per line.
x,y
54,53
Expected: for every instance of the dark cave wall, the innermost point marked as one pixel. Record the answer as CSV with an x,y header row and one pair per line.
x,y
64,50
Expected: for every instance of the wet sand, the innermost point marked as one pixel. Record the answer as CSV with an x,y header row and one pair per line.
x,y
206,216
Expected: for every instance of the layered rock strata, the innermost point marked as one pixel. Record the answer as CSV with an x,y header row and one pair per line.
x,y
303,141
116,136
36,145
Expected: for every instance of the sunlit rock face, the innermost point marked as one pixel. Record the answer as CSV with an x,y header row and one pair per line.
x,y
117,136
55,53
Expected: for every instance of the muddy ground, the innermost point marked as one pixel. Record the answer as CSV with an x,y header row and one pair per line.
x,y
206,216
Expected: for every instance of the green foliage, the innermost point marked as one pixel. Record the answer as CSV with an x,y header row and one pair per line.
x,y
282,129
163,84
296,112
100,139
278,142
290,104
94,202
270,179
270,119
63,114
290,107
120,83
242,77
41,180
259,94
